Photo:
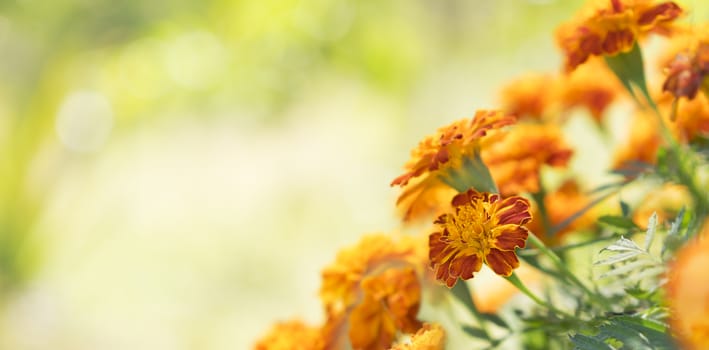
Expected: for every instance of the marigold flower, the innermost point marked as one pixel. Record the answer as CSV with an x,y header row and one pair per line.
x,y
391,303
341,280
666,202
292,335
688,294
592,86
689,66
642,144
687,75
609,27
691,118
516,161
529,96
441,153
483,227
428,337
686,119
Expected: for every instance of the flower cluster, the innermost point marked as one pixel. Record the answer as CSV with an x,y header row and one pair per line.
x,y
551,97
606,28
504,189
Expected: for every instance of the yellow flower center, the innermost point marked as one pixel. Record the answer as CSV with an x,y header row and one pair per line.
x,y
473,227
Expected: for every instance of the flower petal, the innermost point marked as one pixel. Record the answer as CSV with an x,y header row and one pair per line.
x,y
512,237
666,11
514,210
468,266
502,262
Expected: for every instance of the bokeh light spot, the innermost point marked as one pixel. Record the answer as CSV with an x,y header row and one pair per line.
x,y
84,121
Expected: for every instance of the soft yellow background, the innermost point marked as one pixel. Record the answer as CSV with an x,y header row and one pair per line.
x,y
174,174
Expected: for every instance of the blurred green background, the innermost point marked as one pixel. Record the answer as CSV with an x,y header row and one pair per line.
x,y
175,174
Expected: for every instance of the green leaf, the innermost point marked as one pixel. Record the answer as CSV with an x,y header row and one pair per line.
x,y
618,258
650,233
677,223
584,342
631,338
624,209
461,292
623,244
638,292
609,186
619,222
633,169
623,249
475,332
674,239
497,320
635,265
655,332
647,273
629,68
533,260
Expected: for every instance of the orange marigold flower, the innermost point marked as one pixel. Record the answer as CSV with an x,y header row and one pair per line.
x,y
688,294
448,146
423,197
292,335
689,66
685,118
516,161
687,72
592,86
483,227
691,118
609,27
666,202
341,280
428,337
440,153
642,144
529,96
687,75
391,303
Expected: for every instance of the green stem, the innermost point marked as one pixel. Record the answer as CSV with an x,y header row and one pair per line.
x,y
685,175
461,292
514,279
629,68
546,223
533,252
560,264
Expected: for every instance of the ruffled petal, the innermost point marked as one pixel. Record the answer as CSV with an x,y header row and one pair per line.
x,y
502,262
514,210
512,237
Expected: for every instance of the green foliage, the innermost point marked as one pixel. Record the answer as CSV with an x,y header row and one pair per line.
x,y
631,265
626,332
583,342
629,68
677,235
618,222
